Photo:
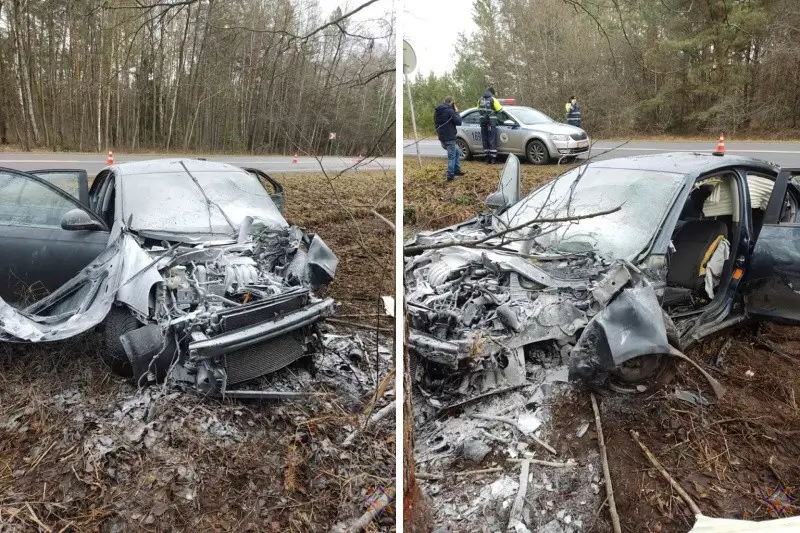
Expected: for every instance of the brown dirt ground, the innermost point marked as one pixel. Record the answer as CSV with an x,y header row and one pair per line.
x,y
728,456
289,474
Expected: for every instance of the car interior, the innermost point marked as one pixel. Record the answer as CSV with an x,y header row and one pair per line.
x,y
704,241
709,224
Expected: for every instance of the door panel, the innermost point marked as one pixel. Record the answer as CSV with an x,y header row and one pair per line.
x,y
39,256
472,131
514,136
772,284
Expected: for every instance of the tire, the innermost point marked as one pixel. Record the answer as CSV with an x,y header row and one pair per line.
x,y
657,369
466,153
118,322
536,152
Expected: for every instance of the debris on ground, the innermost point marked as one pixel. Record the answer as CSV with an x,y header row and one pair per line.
x,y
84,449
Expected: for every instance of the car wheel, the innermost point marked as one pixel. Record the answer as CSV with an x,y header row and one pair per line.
x,y
537,153
118,322
463,147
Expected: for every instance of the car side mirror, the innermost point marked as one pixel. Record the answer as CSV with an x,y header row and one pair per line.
x,y
78,220
509,123
507,193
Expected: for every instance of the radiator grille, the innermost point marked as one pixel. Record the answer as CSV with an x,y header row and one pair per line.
x,y
263,358
578,136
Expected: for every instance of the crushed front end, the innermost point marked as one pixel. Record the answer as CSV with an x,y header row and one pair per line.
x,y
483,320
227,313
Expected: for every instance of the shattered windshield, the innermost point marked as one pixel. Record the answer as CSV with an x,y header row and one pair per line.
x,y
172,202
644,198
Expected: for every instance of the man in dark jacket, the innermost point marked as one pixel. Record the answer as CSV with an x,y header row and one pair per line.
x,y
446,118
489,107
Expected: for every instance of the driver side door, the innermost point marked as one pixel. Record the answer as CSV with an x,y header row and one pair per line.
x,y
38,255
772,284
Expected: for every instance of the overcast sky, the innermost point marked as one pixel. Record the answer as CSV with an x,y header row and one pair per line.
x,y
376,10
431,27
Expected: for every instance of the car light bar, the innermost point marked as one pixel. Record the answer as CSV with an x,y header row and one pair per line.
x,y
507,101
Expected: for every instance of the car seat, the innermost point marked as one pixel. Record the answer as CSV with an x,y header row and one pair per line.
x,y
695,242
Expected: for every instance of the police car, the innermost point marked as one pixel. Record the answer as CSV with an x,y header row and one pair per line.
x,y
525,132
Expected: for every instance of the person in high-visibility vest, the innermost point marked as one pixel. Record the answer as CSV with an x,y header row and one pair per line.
x,y
489,107
573,112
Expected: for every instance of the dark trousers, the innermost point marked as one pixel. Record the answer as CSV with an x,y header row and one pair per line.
x,y
489,139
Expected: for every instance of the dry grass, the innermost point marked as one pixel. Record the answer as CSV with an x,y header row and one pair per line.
x,y
211,466
364,244
429,202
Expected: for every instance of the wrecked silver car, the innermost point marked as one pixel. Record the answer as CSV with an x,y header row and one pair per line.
x,y
612,269
188,267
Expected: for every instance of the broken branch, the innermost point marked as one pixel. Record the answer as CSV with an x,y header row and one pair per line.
x,y
612,507
411,250
378,415
652,458
539,462
519,503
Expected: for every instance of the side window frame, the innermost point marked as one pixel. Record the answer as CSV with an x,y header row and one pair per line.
x,y
76,203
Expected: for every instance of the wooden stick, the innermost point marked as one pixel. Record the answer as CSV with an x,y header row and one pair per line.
x,y
516,426
652,458
554,464
519,502
376,416
612,506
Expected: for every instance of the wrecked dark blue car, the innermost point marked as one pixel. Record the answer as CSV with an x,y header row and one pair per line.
x,y
187,266
613,269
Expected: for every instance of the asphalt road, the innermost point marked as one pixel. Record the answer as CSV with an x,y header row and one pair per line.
x,y
784,154
93,163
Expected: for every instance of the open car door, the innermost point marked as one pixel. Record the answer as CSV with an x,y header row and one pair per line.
x,y
39,253
772,283
276,194
75,182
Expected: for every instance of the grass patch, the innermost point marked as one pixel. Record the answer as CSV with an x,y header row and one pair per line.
x,y
429,202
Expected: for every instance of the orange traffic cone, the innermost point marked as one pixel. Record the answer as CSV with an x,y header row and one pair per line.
x,y
294,159
110,158
721,144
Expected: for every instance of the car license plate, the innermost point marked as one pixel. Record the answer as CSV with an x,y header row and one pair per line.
x,y
583,144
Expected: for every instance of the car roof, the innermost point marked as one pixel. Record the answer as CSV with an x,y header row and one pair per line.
x,y
688,163
171,165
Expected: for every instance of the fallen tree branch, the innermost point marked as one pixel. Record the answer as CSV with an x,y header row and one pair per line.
x,y
612,507
519,502
652,458
539,462
716,386
383,218
516,426
414,249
